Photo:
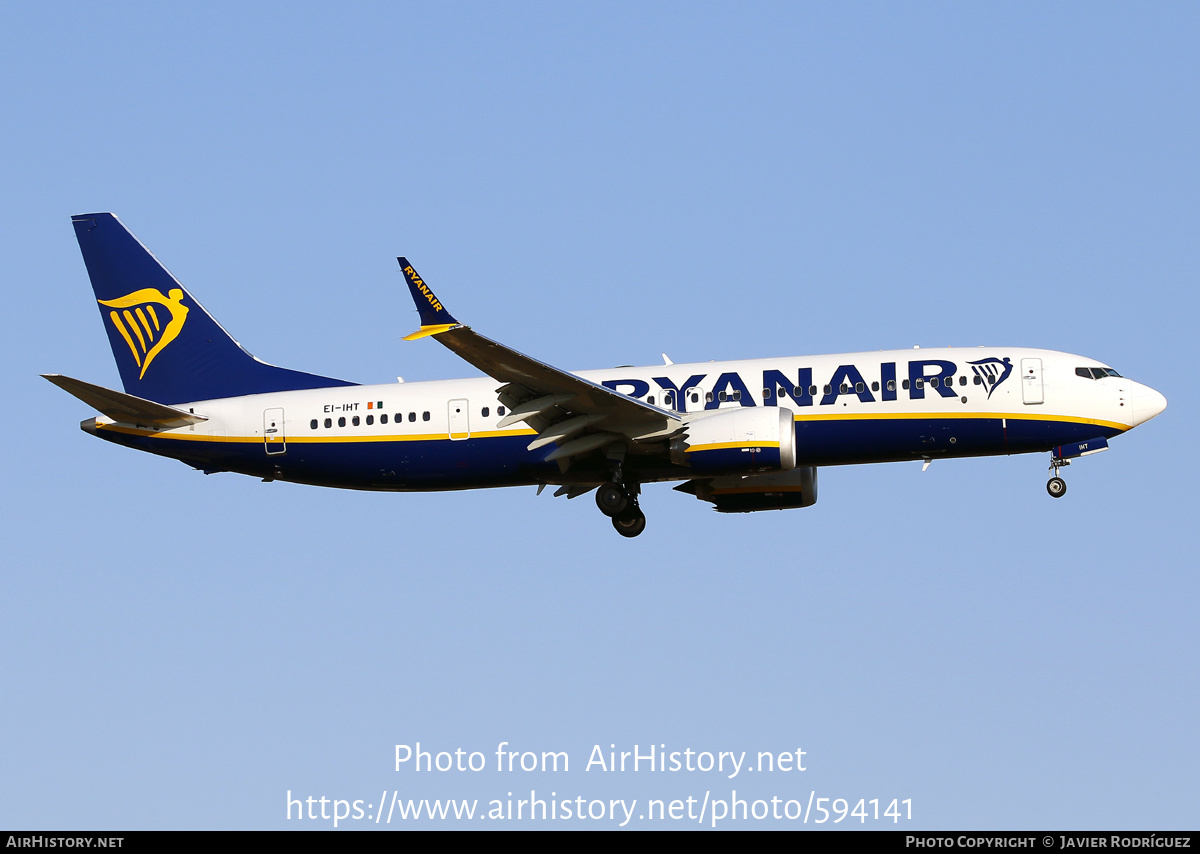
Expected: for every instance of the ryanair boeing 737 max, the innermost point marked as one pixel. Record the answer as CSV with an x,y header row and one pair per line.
x,y
746,435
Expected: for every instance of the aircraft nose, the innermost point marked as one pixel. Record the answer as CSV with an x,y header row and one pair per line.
x,y
1146,403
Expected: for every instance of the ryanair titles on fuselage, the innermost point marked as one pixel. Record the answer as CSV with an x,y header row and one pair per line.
x,y
938,375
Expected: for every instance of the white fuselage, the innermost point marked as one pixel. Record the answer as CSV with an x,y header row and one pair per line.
x,y
848,408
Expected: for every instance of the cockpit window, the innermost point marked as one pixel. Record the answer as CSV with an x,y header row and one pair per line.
x,y
1095,373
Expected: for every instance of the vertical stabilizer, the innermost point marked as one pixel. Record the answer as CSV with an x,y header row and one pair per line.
x,y
168,348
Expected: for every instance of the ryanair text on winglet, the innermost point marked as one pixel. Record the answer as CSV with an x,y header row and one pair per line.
x,y
416,280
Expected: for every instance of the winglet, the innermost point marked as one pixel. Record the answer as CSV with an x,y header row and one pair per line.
x,y
434,317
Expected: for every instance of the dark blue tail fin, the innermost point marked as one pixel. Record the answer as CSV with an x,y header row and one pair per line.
x,y
167,347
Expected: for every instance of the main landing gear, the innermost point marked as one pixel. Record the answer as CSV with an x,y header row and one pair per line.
x,y
1056,486
619,502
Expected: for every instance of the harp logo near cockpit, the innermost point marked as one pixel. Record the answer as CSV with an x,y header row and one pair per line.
x,y
992,372
148,321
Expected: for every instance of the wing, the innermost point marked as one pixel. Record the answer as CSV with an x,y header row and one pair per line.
x,y
578,414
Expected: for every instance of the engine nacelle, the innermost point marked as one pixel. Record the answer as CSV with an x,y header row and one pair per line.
x,y
747,494
739,441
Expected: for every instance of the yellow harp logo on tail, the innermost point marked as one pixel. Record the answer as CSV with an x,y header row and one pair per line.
x,y
140,324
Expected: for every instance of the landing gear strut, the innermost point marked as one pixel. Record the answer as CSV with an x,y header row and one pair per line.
x,y
1056,486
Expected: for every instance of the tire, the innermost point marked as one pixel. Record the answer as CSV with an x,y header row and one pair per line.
x,y
611,499
630,523
1057,487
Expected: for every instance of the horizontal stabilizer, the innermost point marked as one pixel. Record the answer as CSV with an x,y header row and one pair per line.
x,y
125,407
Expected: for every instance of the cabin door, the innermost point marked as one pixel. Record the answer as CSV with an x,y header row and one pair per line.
x,y
273,438
1031,381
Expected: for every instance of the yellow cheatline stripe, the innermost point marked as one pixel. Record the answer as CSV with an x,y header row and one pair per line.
x,y
116,319
307,440
153,316
133,325
955,416
141,315
432,329
715,446
310,439
489,434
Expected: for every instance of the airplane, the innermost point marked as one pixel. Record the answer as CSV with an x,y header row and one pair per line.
x,y
744,435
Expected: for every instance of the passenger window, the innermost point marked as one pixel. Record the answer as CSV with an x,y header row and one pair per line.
x,y
978,381
695,398
650,400
812,391
412,416
485,412
875,386
499,410
328,423
904,384
342,421
424,416
383,418
737,395
962,380
708,397
891,386
933,382
921,383
313,424
354,421
859,388
828,389
370,420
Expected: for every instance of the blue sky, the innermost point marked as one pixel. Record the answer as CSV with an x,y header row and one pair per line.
x,y
595,185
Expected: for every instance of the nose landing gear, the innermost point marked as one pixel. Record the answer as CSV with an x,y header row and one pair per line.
x,y
1056,486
